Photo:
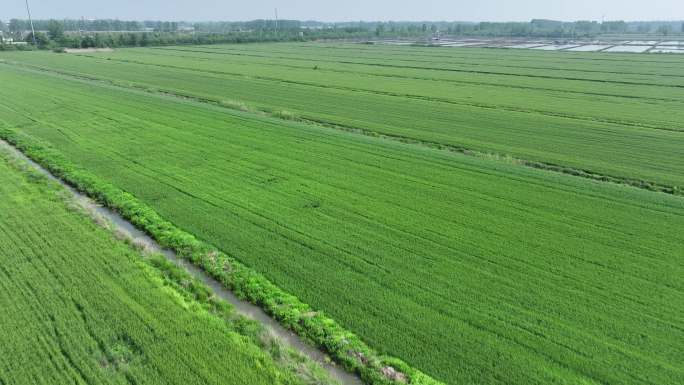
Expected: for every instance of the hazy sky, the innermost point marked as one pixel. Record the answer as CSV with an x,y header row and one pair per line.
x,y
341,10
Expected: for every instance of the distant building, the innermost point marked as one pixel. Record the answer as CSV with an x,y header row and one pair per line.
x,y
10,41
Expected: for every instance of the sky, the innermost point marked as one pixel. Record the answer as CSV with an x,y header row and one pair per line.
x,y
349,10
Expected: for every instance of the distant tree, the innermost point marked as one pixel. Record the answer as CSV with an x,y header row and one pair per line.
x,y
644,28
17,25
132,26
544,24
682,28
41,39
101,25
55,30
133,39
614,26
665,29
586,27
379,29
87,42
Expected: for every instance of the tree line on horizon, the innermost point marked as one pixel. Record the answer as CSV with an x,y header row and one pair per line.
x,y
81,33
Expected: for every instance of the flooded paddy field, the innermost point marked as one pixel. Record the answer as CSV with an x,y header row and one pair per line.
x,y
629,48
617,46
667,50
556,47
590,48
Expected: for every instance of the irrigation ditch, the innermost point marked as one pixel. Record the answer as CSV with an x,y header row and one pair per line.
x,y
242,307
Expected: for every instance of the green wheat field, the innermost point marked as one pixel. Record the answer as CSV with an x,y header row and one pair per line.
x,y
487,216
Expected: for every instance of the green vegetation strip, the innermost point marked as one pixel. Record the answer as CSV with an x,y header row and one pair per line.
x,y
82,307
342,345
472,271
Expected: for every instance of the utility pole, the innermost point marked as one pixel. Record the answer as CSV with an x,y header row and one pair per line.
x,y
276,22
33,31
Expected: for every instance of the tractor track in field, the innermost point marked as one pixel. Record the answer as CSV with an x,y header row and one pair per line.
x,y
451,69
398,76
389,94
548,166
237,52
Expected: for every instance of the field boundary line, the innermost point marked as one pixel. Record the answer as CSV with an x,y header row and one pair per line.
x,y
238,52
463,70
583,173
400,95
398,76
282,115
341,344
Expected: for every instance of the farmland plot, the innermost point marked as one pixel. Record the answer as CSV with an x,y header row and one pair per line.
x,y
582,116
475,271
80,307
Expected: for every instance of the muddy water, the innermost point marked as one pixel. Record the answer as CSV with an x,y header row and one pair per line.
x,y
245,308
